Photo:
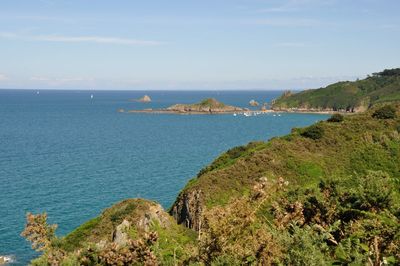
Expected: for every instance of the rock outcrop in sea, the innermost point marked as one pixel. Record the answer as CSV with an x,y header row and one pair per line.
x,y
145,99
254,103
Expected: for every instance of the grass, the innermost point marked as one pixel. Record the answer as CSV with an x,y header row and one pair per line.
x,y
101,228
357,144
346,95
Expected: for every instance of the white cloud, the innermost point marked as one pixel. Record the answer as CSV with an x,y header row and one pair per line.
x,y
295,5
94,39
68,81
284,22
291,44
79,39
3,77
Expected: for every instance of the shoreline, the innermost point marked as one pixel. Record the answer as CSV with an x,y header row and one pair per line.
x,y
250,112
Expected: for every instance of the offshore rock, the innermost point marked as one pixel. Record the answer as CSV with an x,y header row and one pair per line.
x,y
254,103
145,99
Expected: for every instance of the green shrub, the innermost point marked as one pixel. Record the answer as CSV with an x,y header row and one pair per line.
x,y
313,132
336,118
385,112
304,247
374,192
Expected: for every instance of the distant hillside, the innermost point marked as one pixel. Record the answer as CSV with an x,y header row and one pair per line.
x,y
345,96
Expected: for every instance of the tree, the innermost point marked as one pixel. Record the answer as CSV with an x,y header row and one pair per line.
x,y
336,118
313,132
385,112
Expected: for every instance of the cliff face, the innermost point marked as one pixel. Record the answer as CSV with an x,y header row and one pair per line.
x,y
187,209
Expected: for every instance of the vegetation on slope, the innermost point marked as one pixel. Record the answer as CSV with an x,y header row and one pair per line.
x,y
301,191
346,96
322,195
148,236
206,105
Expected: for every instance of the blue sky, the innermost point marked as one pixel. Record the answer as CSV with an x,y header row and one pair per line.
x,y
207,44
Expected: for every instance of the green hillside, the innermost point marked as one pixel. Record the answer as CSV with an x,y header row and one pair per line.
x,y
346,96
328,194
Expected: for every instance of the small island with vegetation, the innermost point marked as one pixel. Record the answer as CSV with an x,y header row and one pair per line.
x,y
206,106
346,96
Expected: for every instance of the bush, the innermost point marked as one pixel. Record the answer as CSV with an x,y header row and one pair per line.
x,y
313,132
336,118
385,112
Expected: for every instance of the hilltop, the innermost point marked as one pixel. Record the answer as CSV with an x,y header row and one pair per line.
x,y
346,96
322,195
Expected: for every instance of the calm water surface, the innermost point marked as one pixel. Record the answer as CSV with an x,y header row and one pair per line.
x,y
72,156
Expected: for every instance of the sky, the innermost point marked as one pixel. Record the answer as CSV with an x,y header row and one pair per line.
x,y
194,44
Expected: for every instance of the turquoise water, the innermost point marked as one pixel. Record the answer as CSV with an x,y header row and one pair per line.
x,y
72,156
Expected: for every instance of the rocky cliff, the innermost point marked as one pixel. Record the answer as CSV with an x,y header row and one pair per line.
x,y
187,209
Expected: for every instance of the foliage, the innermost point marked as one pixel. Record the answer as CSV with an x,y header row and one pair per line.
x,y
346,96
388,72
230,156
385,112
304,247
38,232
336,118
313,132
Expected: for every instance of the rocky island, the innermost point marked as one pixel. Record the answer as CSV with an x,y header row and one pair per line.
x,y
206,106
144,99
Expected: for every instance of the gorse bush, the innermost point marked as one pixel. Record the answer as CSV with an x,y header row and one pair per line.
x,y
336,118
385,112
313,132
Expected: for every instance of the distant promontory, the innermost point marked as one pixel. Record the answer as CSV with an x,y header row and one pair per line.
x,y
346,96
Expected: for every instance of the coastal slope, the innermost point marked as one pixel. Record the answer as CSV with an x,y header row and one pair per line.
x,y
322,195
346,96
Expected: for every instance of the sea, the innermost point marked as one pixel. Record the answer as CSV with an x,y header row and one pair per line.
x,y
71,153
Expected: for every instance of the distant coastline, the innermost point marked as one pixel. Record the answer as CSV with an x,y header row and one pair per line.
x,y
212,106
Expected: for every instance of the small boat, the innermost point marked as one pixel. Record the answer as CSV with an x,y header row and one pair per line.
x,y
234,114
38,92
91,96
246,114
